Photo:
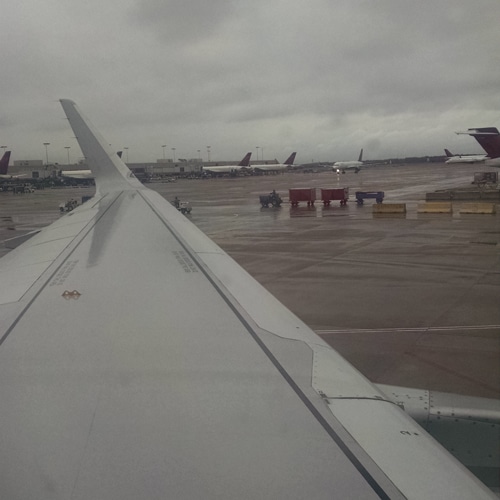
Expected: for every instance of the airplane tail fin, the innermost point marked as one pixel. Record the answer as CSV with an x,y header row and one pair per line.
x,y
246,160
489,139
4,163
360,155
290,159
449,154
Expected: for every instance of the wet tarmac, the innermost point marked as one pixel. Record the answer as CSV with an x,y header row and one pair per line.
x,y
409,299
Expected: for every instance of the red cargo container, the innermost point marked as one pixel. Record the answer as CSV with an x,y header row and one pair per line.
x,y
302,194
328,195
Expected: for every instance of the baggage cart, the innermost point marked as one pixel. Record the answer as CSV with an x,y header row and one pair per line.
x,y
363,195
297,195
330,194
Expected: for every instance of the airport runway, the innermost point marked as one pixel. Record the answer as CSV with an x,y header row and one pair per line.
x,y
409,300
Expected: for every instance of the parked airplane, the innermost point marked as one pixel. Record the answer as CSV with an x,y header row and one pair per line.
x,y
489,139
77,174
276,167
342,166
224,169
82,174
463,158
138,360
4,167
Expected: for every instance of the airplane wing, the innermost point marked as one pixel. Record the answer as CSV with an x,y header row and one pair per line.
x,y
138,360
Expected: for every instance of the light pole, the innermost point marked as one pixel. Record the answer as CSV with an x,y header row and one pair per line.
x,y
126,152
67,148
46,144
262,154
208,153
257,148
173,149
164,146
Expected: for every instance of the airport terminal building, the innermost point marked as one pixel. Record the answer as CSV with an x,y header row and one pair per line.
x,y
37,169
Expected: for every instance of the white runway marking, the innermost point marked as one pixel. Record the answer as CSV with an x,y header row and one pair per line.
x,y
414,330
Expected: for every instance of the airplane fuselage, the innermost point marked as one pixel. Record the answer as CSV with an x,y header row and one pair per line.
x,y
11,177
224,169
348,164
77,174
466,159
340,166
270,168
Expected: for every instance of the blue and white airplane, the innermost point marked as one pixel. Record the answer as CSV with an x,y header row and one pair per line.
x,y
276,167
230,169
451,158
342,166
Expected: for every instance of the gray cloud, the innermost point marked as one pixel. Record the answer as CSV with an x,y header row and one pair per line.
x,y
323,78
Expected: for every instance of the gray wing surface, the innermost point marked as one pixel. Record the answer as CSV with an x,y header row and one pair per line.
x,y
138,360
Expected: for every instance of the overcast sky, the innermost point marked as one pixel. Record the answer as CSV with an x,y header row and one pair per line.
x,y
323,77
